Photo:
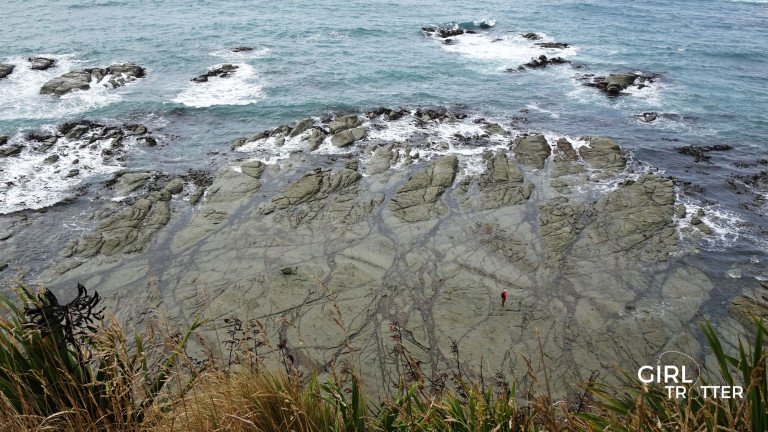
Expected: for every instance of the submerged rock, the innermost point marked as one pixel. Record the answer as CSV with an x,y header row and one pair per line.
x,y
699,153
239,49
417,199
647,117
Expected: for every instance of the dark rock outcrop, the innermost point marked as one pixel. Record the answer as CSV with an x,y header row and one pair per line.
x,y
553,45
41,63
543,61
223,71
6,69
239,49
388,113
117,75
7,150
446,32
614,84
699,153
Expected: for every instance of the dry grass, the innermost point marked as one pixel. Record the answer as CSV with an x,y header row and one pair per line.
x,y
110,382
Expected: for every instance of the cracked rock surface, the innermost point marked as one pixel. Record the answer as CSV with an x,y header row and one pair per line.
x,y
426,247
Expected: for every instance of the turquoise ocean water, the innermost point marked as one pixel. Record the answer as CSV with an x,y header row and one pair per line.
x,y
314,58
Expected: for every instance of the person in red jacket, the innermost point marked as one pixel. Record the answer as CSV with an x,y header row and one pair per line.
x,y
503,297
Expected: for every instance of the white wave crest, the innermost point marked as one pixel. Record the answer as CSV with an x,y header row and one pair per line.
x,y
243,87
20,96
28,181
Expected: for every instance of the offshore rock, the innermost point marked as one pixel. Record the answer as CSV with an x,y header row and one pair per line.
x,y
5,70
116,75
224,71
41,63
614,84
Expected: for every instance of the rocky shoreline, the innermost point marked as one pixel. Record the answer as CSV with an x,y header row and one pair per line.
x,y
422,231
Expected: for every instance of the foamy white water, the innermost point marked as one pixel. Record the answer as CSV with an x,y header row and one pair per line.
x,y
506,51
20,96
28,181
244,87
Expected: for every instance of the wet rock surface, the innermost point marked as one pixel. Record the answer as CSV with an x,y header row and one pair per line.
x,y
41,63
418,198
501,185
532,150
116,75
130,229
615,84
223,71
603,153
6,69
700,153
543,61
412,234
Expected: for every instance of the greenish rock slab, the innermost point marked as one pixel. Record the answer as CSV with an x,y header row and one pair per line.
x,y
417,199
532,150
